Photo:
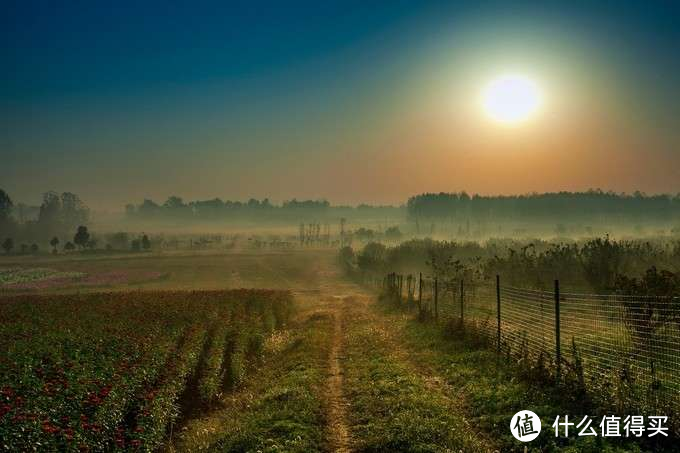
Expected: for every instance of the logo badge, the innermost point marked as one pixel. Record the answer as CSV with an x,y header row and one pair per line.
x,y
525,426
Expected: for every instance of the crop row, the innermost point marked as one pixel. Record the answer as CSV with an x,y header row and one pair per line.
x,y
111,371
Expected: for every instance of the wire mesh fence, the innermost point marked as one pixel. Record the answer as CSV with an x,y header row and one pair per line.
x,y
601,338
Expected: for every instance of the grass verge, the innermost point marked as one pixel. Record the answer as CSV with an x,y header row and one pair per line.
x,y
391,407
494,390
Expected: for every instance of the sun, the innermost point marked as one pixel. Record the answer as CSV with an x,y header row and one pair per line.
x,y
511,99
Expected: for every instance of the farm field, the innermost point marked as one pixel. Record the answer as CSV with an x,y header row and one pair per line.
x,y
112,370
167,270
316,363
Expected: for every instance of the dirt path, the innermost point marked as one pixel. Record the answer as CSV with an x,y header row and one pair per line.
x,y
349,304
337,406
339,297
344,339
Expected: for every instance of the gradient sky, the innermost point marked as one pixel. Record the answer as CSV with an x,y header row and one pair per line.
x,y
352,101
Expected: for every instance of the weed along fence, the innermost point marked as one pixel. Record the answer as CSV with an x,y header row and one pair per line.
x,y
626,347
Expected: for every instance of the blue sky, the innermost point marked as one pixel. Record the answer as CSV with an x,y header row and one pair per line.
x,y
237,94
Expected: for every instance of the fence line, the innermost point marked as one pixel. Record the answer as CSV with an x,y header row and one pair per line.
x,y
602,338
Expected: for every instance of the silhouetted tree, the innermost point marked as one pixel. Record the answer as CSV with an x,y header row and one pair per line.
x,y
372,258
364,234
174,202
346,258
81,237
54,243
146,243
34,248
59,214
73,210
69,246
8,245
6,206
49,217
7,224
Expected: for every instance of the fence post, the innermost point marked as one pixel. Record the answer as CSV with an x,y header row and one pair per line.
x,y
436,297
420,292
401,286
558,353
461,302
498,310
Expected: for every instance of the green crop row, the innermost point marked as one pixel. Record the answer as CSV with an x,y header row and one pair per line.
x,y
111,370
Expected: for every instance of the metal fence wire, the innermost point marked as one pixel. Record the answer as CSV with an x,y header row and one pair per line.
x,y
606,337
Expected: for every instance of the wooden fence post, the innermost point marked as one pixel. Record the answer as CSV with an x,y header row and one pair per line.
x,y
558,352
498,309
401,286
436,297
462,292
420,292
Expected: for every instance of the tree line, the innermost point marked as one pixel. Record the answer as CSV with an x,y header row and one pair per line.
x,y
593,206
59,215
216,209
62,222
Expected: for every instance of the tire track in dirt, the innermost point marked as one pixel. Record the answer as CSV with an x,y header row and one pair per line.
x,y
337,406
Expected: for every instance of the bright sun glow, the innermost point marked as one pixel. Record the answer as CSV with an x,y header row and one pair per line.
x,y
511,99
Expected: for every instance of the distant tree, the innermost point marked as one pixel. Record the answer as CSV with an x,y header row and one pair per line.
x,y
346,258
24,248
6,206
8,245
34,248
372,258
393,233
146,243
81,237
50,210
59,214
54,243
136,245
174,202
364,234
73,210
7,223
91,244
69,246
